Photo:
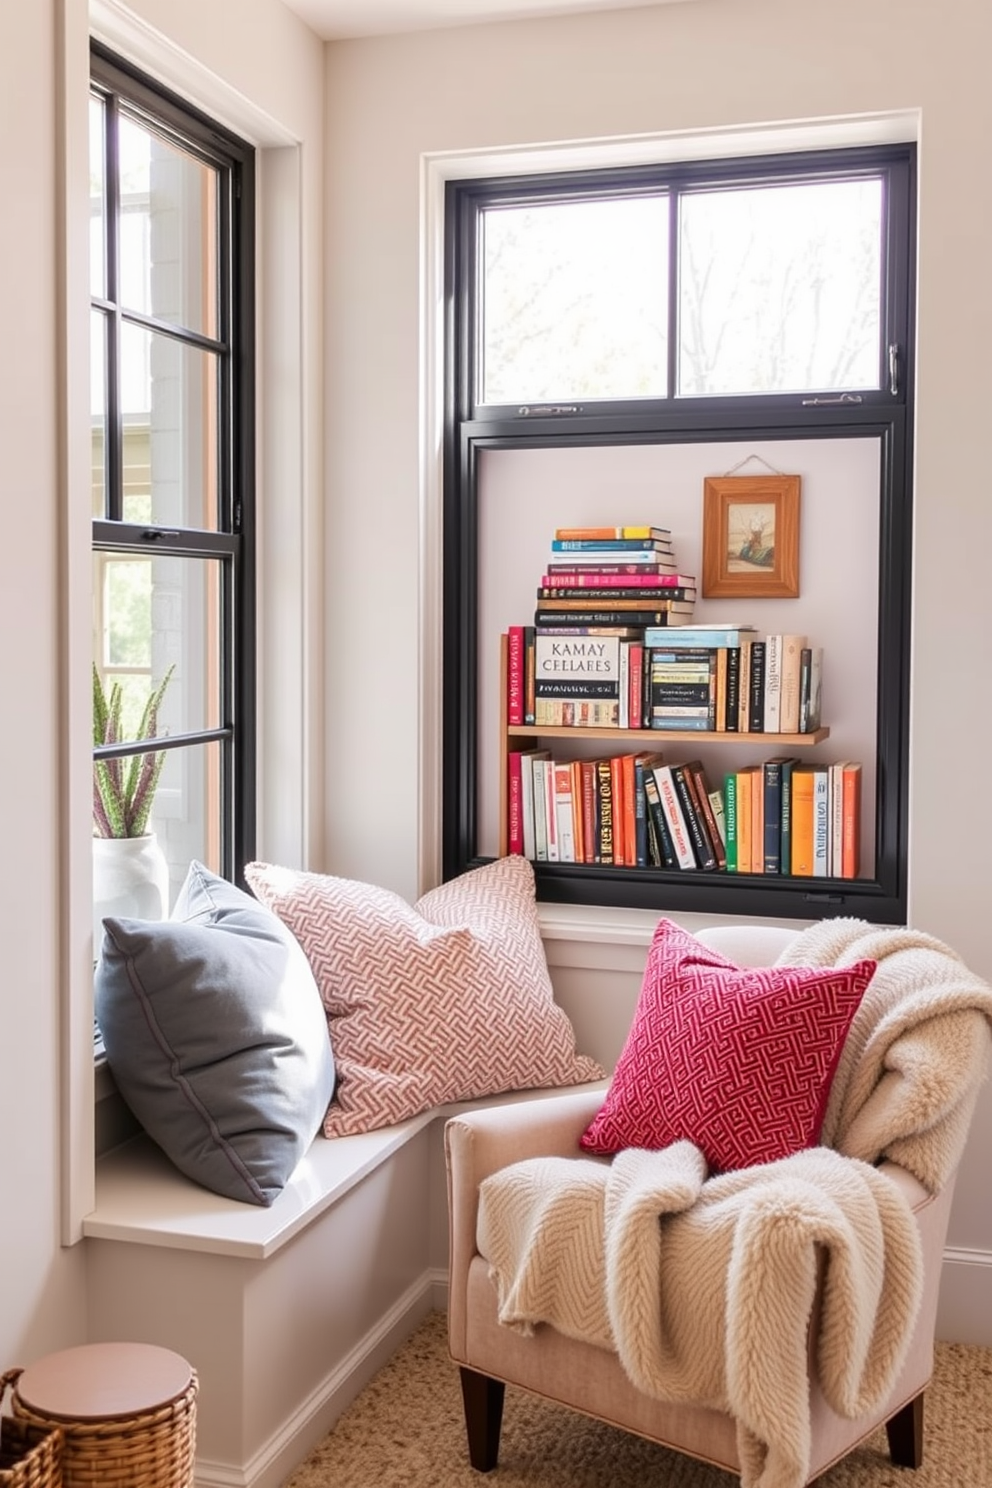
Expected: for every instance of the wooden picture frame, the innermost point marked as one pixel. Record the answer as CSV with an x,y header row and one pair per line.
x,y
751,537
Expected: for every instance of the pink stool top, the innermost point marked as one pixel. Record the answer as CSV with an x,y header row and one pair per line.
x,y
101,1380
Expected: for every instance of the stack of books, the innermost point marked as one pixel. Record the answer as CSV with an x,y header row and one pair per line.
x,y
613,576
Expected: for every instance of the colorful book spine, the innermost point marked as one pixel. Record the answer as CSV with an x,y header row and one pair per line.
x,y
645,595
810,688
731,720
515,674
821,821
785,845
610,534
674,818
662,579
756,689
656,815
792,646
610,544
527,803
628,797
538,769
604,780
772,815
635,697
730,820
641,858
757,819
802,821
773,683
515,805
529,672
851,841
744,799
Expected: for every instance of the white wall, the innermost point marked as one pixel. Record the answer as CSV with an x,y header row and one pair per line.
x,y
263,69
709,65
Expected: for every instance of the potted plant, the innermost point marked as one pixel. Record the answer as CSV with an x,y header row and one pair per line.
x,y
130,873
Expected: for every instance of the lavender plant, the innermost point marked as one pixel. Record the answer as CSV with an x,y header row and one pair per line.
x,y
124,789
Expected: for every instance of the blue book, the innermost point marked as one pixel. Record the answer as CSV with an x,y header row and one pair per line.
x,y
609,544
679,636
640,816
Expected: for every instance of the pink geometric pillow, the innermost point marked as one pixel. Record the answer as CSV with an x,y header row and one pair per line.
x,y
738,1061
441,1001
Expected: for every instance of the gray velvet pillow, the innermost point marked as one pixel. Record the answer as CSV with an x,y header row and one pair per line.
x,y
216,1036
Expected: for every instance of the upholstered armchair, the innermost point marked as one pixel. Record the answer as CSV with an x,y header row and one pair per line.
x,y
566,1367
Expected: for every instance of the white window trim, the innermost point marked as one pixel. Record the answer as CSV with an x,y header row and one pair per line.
x,y
288,710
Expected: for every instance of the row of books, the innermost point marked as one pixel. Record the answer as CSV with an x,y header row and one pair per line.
x,y
723,679
637,810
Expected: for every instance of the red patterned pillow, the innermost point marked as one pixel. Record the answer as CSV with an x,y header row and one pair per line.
x,y
441,1001
738,1061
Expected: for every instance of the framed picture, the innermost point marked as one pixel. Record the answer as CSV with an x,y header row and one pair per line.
x,y
751,537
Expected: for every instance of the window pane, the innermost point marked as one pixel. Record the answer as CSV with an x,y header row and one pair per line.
x,y
780,289
169,396
98,410
151,613
574,300
98,200
186,816
168,231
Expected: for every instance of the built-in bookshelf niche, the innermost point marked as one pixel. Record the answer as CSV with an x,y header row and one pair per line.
x,y
852,602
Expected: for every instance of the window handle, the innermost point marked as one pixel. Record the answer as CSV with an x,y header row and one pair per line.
x,y
156,534
893,369
840,398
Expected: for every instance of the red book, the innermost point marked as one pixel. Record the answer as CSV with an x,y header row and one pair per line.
x,y
515,804
616,581
589,823
515,678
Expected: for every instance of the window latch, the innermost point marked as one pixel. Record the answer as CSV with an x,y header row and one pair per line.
x,y
156,534
840,398
543,410
893,369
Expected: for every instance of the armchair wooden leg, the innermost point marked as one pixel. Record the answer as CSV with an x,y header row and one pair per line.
x,y
905,1433
482,1398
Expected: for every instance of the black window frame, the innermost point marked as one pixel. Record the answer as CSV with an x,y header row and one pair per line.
x,y
885,412
232,543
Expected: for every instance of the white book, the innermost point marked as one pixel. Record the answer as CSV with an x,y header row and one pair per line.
x,y
677,827
773,683
540,803
792,648
821,821
550,815
527,803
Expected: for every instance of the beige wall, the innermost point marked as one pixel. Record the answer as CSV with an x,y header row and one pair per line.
x,y
708,65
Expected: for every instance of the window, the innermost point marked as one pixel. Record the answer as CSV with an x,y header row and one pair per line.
x,y
629,328
171,279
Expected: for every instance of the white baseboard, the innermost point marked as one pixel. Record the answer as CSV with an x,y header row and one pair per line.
x,y
964,1308
310,1423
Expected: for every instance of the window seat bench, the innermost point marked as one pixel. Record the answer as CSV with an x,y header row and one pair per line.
x,y
285,1312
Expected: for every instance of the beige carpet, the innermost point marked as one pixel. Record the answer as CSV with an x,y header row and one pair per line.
x,y
405,1431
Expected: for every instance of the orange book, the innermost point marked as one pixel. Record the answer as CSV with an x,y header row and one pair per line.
x,y
802,821
619,815
851,820
757,820
578,817
744,794
589,833
629,812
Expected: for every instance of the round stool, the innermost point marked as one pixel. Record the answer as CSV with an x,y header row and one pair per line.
x,y
127,1413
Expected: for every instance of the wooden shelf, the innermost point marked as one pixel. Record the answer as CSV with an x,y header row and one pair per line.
x,y
688,737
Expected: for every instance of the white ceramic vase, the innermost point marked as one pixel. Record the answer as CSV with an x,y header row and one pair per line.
x,y
130,881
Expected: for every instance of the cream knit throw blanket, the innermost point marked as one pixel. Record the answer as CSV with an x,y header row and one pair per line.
x,y
704,1287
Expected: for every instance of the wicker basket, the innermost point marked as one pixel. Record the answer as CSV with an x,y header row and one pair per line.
x,y
149,1449
30,1455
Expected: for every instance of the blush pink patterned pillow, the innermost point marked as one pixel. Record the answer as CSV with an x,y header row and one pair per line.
x,y
441,1001
738,1061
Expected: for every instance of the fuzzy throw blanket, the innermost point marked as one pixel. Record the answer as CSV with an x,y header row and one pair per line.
x,y
704,1286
